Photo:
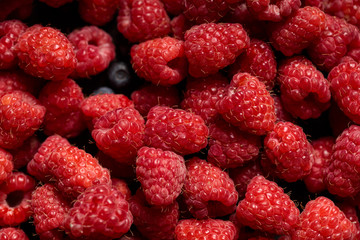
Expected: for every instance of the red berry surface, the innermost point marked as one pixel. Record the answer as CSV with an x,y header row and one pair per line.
x,y
6,164
12,80
122,186
97,12
10,233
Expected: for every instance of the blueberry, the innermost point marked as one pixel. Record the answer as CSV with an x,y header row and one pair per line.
x,y
119,75
102,90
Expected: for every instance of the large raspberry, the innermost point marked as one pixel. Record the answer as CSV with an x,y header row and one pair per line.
x,y
98,12
6,164
208,57
11,233
351,214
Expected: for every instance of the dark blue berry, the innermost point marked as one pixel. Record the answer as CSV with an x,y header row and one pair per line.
x,y
119,75
102,90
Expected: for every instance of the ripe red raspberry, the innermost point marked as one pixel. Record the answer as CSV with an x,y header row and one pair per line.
x,y
10,31
288,153
161,174
94,50
305,92
229,147
117,169
175,130
280,112
18,80
202,94
208,57
98,12
15,199
216,229
349,10
45,52
240,106
274,11
49,208
21,115
266,207
298,31
101,212
333,224
55,3
25,153
140,20
315,181
10,233
259,61
122,187
154,222
173,7
208,191
351,214
6,164
179,25
161,61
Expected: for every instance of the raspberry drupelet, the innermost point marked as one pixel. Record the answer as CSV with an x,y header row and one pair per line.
x,y
10,233
6,164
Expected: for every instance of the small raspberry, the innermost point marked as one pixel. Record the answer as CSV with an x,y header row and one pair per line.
x,y
15,196
161,61
122,187
208,191
240,106
140,20
55,3
18,80
333,224
98,12
288,153
280,112
45,52
117,169
120,133
215,229
175,130
6,165
10,233
228,41
101,212
179,25
161,174
94,50
266,207
274,11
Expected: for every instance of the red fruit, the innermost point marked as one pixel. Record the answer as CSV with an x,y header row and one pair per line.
x,y
208,191
208,57
122,187
161,61
351,214
140,20
55,3
18,80
179,25
161,174
6,164
45,52
101,212
10,233
349,10
240,106
98,12
266,207
175,130
274,11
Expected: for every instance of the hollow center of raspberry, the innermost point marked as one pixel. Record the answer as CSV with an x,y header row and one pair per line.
x,y
13,199
176,63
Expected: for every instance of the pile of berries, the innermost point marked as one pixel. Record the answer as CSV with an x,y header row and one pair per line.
x,y
179,119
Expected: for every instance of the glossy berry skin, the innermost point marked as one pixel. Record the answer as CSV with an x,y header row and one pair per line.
x,y
333,224
6,164
175,130
351,214
10,233
240,106
267,208
45,52
161,174
161,61
274,11
100,212
98,12
209,228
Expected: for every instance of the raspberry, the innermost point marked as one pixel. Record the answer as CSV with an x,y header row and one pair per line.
x,y
208,191
94,50
215,229
17,80
174,7
154,222
280,112
20,116
266,207
122,187
274,11
240,106
98,12
179,25
9,34
6,164
333,224
151,95
289,155
322,159
202,94
101,212
229,147
55,3
351,214
175,130
259,61
46,53
49,208
298,31
161,61
161,174
305,93
208,57
15,196
140,20
349,10
10,233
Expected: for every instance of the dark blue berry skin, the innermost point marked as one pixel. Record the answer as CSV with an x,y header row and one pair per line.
x,y
102,90
119,75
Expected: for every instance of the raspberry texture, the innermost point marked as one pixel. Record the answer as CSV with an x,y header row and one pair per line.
x,y
175,130
98,12
94,50
333,224
264,208
288,153
349,10
248,105
10,233
161,61
45,52
101,212
179,25
56,3
141,20
161,174
17,80
6,164
351,214
122,187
